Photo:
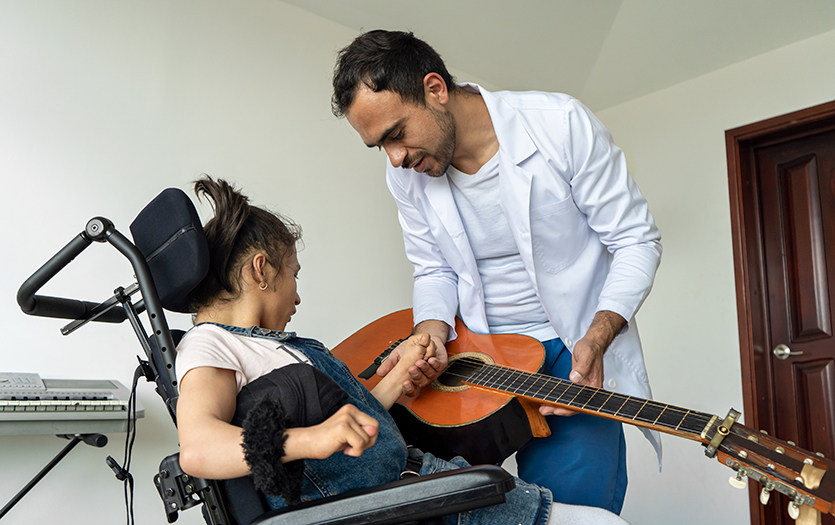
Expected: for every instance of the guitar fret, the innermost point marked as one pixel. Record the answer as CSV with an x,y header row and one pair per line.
x,y
537,394
575,395
528,382
659,416
625,400
647,414
589,400
594,399
615,398
607,400
514,378
639,410
676,417
584,396
549,396
537,384
631,408
673,417
567,390
695,422
560,383
502,380
494,371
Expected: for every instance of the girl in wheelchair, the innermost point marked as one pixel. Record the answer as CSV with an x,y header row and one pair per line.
x,y
256,400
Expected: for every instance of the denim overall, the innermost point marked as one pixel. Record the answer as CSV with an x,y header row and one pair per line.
x,y
526,504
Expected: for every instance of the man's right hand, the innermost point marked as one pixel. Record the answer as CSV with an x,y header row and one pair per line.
x,y
424,370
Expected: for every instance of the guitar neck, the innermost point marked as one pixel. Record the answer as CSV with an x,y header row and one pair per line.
x,y
548,390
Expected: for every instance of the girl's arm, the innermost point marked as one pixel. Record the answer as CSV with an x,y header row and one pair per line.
x,y
210,447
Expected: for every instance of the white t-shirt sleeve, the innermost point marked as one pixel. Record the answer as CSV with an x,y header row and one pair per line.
x,y
206,347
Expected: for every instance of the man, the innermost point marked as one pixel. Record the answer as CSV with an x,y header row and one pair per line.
x,y
519,215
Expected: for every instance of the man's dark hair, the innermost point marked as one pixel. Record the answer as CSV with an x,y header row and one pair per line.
x,y
385,60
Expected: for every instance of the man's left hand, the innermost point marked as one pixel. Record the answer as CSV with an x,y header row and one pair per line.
x,y
587,357
587,369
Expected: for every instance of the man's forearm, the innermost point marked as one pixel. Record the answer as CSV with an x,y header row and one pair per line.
x,y
605,327
435,329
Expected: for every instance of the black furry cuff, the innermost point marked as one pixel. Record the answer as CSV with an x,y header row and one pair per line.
x,y
263,446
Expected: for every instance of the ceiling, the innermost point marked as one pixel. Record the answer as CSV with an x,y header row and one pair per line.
x,y
603,52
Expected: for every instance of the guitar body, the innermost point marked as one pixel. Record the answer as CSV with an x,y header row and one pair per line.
x,y
481,425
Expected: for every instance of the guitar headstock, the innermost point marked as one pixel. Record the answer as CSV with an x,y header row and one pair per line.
x,y
808,479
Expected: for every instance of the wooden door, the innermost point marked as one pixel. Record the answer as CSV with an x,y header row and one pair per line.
x,y
782,175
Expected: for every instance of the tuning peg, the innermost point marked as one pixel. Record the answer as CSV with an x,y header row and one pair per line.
x,y
736,481
794,510
765,494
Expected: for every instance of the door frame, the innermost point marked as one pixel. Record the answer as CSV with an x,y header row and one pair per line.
x,y
751,290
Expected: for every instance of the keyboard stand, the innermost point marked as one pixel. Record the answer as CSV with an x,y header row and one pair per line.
x,y
74,409
94,440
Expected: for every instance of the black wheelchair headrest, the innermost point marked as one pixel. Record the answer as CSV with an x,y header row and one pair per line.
x,y
169,234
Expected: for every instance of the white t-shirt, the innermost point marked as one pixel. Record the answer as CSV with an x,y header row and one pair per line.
x,y
511,303
249,357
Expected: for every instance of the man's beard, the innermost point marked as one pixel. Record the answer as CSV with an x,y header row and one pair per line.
x,y
446,144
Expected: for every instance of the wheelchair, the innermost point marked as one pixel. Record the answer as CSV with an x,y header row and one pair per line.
x,y
169,257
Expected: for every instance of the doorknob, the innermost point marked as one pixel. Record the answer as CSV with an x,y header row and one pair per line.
x,y
784,352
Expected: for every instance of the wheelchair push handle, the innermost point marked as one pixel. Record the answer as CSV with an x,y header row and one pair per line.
x,y
98,229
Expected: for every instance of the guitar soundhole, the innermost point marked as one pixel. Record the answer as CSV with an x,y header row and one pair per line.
x,y
460,367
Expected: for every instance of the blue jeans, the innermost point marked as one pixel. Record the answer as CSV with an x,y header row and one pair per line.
x,y
583,461
526,504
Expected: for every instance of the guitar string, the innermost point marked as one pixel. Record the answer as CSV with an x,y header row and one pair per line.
x,y
472,365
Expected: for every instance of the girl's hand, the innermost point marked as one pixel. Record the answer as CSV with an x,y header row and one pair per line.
x,y
349,430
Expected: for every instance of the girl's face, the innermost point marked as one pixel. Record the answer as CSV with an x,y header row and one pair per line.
x,y
281,304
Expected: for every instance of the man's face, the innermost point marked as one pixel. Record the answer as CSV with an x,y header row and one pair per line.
x,y
415,137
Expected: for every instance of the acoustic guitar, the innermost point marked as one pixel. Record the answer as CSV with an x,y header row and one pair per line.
x,y
483,407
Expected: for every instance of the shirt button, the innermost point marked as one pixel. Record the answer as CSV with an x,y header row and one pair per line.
x,y
567,342
612,383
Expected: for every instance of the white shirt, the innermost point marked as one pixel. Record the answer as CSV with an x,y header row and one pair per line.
x,y
511,304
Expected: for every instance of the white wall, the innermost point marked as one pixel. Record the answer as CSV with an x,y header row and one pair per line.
x,y
103,104
675,145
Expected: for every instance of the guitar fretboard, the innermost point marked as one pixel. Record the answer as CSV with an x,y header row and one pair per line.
x,y
644,412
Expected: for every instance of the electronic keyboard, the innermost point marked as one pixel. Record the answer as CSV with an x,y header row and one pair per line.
x,y
31,405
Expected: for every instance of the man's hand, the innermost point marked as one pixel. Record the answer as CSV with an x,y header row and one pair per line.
x,y
423,371
587,363
587,357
